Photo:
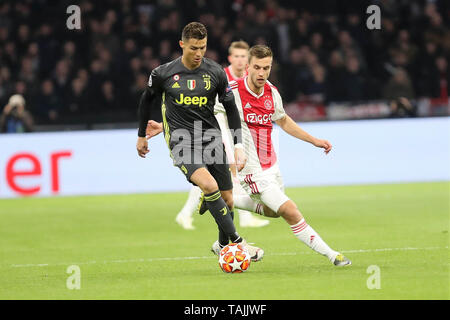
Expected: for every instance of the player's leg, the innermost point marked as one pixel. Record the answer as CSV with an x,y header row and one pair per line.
x,y
215,203
245,202
221,174
249,198
185,216
246,219
277,201
197,174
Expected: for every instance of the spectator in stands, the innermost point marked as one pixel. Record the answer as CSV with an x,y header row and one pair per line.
x,y
121,41
335,90
5,84
398,86
316,44
78,100
348,47
402,108
441,83
110,101
49,103
426,71
15,118
316,87
61,79
354,80
300,33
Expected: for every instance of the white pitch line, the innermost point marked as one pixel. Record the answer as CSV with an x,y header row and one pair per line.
x,y
210,257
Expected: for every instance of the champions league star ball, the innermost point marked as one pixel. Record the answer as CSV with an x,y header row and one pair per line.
x,y
234,258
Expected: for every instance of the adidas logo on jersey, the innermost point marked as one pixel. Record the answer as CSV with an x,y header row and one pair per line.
x,y
176,85
247,106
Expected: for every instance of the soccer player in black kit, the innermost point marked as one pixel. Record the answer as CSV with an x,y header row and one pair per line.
x,y
187,88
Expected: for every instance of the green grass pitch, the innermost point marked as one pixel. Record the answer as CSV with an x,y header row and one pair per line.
x,y
129,247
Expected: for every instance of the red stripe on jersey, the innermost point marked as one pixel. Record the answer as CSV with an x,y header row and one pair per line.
x,y
230,75
257,112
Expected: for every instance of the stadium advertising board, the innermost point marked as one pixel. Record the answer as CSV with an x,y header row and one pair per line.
x,y
106,162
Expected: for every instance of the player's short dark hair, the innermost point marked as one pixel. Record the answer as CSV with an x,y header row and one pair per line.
x,y
259,51
195,30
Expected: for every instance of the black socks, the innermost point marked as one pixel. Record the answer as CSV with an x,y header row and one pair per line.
x,y
224,218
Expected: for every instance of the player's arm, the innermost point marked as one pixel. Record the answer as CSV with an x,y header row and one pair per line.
x,y
153,129
147,101
291,127
226,97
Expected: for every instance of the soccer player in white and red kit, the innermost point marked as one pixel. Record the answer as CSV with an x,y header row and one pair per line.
x,y
238,58
259,104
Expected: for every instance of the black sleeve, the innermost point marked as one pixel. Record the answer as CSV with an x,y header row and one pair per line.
x,y
145,110
234,120
226,97
148,108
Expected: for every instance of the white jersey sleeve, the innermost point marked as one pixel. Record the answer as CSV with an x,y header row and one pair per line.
x,y
279,112
219,108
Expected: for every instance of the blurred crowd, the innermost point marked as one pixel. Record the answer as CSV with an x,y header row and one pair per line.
x,y
323,50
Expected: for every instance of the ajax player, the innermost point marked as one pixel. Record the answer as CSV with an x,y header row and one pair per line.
x,y
259,103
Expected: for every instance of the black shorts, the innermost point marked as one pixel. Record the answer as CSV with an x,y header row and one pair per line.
x,y
191,159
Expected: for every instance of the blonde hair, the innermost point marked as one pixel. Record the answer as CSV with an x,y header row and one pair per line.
x,y
241,44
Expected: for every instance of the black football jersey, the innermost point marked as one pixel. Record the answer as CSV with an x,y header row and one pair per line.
x,y
188,96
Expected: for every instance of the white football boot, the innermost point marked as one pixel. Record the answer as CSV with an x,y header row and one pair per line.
x,y
247,220
341,261
185,221
256,253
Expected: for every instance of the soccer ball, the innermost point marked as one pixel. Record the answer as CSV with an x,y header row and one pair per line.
x,y
234,258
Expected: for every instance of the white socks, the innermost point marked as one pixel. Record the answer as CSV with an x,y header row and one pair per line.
x,y
311,238
244,202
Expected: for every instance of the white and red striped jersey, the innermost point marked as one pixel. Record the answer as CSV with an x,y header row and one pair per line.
x,y
231,76
257,113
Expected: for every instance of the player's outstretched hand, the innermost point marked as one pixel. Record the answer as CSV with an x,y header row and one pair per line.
x,y
153,128
323,144
240,158
142,147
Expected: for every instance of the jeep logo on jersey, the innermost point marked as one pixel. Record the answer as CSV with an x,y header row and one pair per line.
x,y
198,101
258,118
191,84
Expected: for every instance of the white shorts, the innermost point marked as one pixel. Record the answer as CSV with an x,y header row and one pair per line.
x,y
266,187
